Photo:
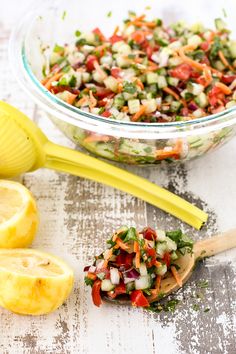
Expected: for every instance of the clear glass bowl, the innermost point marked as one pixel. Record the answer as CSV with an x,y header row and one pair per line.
x,y
55,21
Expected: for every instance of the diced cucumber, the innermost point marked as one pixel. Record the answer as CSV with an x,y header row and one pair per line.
x,y
116,46
172,81
198,113
124,49
161,82
161,270
151,105
143,269
174,256
230,103
119,101
111,83
130,286
194,40
161,248
219,65
161,235
144,282
107,285
134,148
54,57
194,88
106,59
86,49
98,76
175,45
175,61
232,49
152,78
170,245
202,100
86,77
220,24
134,106
89,37
197,27
175,106
122,62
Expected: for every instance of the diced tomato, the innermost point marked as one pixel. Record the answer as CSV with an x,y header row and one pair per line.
x,y
90,62
201,80
149,234
96,293
138,36
115,38
166,259
228,79
120,289
151,253
182,71
102,92
149,51
106,114
115,72
205,46
125,259
215,95
138,299
99,33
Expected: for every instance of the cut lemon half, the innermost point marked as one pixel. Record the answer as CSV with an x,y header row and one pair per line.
x,y
33,282
18,215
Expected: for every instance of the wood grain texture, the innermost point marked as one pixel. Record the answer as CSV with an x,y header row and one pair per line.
x,y
77,216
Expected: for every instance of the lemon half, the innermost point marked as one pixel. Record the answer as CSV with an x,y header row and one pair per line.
x,y
18,215
33,282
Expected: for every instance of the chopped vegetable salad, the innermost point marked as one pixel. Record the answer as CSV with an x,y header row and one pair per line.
x,y
147,71
135,264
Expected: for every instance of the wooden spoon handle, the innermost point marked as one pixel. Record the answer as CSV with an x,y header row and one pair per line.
x,y
215,245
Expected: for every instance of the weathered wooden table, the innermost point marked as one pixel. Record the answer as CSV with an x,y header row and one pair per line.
x,y
76,217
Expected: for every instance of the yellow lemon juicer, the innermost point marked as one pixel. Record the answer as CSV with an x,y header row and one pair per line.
x,y
24,148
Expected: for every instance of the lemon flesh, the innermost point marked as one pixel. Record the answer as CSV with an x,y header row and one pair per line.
x,y
18,215
33,282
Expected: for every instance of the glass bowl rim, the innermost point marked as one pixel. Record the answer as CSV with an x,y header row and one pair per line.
x,y
75,116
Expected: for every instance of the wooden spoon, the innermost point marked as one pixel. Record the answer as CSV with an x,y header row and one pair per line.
x,y
202,249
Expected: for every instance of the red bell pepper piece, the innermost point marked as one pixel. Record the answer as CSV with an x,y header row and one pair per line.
x,y
138,299
90,62
167,259
96,296
149,234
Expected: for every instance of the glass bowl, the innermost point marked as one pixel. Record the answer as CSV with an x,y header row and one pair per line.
x,y
55,21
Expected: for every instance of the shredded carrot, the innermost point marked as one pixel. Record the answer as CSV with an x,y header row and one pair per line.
x,y
158,283
225,89
139,83
137,255
99,70
157,264
49,82
224,60
176,276
119,87
92,100
95,137
108,256
91,276
116,30
125,109
171,92
207,76
188,60
70,98
139,23
137,115
121,244
82,101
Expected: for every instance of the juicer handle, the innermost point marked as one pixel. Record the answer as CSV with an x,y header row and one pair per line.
x,y
74,162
